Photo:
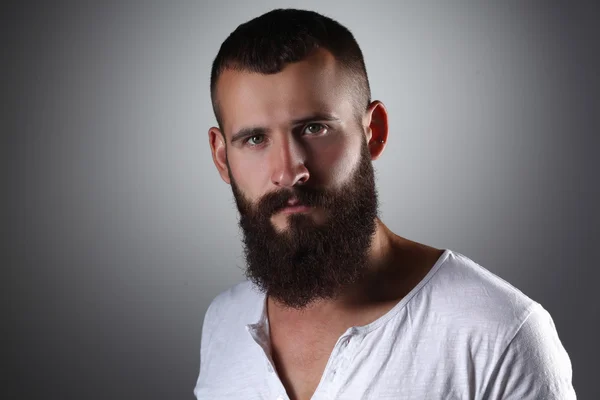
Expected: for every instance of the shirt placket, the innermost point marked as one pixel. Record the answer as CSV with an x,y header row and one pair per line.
x,y
333,375
260,334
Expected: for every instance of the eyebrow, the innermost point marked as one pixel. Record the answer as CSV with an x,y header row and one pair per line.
x,y
316,117
259,130
248,132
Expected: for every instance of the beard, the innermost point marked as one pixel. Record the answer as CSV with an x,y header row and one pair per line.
x,y
309,261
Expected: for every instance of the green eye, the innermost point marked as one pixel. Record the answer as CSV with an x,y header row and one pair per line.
x,y
256,139
315,128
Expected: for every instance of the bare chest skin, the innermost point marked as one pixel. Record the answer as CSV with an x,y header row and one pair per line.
x,y
301,355
301,349
302,345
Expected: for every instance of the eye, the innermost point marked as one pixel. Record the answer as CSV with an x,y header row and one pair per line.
x,y
314,129
255,140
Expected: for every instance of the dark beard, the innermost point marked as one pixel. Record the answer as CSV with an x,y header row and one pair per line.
x,y
310,261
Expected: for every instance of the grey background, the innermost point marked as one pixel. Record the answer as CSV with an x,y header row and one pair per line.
x,y
119,231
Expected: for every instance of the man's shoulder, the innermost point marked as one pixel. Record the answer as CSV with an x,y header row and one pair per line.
x,y
237,292
243,299
503,324
463,287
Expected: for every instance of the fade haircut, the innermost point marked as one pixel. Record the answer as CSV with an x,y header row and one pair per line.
x,y
266,44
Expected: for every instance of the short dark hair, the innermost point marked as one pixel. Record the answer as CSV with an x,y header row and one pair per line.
x,y
269,42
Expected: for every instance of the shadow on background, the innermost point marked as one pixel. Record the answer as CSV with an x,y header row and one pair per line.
x,y
120,232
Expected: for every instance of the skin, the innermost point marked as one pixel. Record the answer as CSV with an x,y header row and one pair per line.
x,y
300,127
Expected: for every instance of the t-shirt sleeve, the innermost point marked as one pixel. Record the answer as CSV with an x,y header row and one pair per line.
x,y
534,365
207,331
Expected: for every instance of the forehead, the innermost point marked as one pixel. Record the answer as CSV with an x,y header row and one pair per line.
x,y
316,84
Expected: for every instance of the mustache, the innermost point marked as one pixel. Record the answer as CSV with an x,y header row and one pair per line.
x,y
275,201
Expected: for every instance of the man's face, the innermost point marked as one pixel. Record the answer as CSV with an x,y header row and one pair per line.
x,y
301,175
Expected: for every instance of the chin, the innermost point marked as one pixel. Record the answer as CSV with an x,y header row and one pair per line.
x,y
281,227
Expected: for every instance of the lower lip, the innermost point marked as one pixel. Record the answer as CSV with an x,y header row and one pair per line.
x,y
295,209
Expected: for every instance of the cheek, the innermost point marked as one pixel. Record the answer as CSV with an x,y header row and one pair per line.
x,y
250,174
334,163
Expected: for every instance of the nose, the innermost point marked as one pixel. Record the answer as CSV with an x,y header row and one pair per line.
x,y
288,165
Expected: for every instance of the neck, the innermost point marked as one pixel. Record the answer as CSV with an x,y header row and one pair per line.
x,y
378,285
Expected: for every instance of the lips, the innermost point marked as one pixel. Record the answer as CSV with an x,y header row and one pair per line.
x,y
294,206
295,209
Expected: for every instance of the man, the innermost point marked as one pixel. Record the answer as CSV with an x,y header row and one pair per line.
x,y
337,306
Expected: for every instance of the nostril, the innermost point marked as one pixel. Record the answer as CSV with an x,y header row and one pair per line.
x,y
302,180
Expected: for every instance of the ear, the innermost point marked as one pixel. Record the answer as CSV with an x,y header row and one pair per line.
x,y
376,128
219,152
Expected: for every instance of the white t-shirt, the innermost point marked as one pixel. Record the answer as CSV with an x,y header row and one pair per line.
x,y
461,333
